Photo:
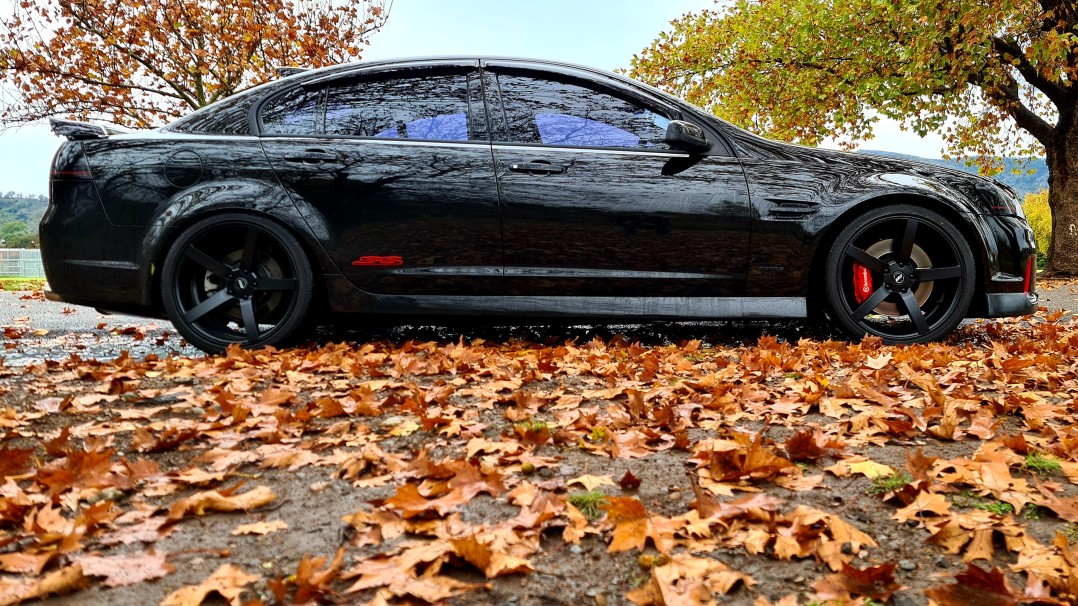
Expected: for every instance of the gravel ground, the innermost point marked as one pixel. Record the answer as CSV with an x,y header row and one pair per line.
x,y
35,329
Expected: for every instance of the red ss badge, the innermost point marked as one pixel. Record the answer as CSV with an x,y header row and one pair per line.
x,y
370,261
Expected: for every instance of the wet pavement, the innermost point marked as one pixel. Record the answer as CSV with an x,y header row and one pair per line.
x,y
35,330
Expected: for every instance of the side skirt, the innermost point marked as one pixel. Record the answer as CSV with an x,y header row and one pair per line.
x,y
612,307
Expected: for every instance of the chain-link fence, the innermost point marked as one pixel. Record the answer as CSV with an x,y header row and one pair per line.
x,y
21,262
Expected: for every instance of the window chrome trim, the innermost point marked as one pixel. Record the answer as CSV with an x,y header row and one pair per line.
x,y
378,140
590,150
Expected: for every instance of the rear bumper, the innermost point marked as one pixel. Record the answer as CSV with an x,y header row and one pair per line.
x,y
89,261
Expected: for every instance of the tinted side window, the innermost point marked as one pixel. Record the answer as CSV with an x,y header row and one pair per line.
x,y
296,112
228,117
430,107
554,112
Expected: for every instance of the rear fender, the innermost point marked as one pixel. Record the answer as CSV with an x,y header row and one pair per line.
x,y
242,195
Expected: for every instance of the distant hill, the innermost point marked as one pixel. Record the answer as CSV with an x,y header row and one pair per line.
x,y
19,216
22,207
1021,183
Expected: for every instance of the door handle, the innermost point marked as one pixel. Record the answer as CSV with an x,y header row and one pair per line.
x,y
540,167
312,156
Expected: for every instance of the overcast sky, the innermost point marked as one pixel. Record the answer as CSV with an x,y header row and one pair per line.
x,y
599,33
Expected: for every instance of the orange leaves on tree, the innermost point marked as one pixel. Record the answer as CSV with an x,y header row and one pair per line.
x,y
66,58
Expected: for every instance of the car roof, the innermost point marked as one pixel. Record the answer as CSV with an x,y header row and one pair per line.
x,y
330,71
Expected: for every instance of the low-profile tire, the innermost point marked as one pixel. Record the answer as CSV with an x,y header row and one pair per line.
x,y
922,270
237,279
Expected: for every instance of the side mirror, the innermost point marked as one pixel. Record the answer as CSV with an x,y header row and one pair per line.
x,y
686,136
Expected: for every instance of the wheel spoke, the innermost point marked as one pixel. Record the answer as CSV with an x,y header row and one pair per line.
x,y
250,323
875,299
249,248
217,300
866,259
277,284
905,245
930,274
216,267
914,310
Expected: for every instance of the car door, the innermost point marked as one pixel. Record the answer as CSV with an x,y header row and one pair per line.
x,y
397,166
596,204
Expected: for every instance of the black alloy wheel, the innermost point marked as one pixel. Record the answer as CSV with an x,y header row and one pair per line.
x,y
237,279
900,272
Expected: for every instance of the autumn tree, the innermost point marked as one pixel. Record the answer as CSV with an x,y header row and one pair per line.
x,y
993,76
141,63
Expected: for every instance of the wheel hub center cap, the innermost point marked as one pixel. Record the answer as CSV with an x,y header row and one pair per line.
x,y
242,284
899,277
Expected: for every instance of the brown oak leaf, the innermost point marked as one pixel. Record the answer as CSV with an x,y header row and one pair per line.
x,y
230,581
876,582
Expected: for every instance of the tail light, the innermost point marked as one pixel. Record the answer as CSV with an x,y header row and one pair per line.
x,y
70,164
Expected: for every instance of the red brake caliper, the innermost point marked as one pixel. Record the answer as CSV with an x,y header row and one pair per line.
x,y
862,282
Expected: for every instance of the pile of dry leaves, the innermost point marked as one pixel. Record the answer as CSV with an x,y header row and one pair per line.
x,y
597,472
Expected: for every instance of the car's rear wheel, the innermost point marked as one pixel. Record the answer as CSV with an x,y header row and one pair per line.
x,y
901,272
236,279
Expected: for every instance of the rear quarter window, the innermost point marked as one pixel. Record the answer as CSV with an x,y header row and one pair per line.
x,y
228,117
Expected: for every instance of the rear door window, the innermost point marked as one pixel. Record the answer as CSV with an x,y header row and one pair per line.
x,y
430,106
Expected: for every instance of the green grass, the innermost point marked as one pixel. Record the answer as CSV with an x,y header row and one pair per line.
x,y
598,434
1041,464
1030,511
532,425
891,483
589,503
997,507
1070,531
17,283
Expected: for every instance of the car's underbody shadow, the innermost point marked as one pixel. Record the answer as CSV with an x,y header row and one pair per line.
x,y
543,331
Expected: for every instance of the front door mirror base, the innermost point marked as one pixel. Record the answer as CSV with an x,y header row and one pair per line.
x,y
686,136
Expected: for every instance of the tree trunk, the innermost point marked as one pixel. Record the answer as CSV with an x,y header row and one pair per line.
x,y
1062,159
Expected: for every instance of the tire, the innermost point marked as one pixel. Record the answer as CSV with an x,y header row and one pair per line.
x,y
922,270
237,279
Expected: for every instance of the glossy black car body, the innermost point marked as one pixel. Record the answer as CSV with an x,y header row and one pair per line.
x,y
512,187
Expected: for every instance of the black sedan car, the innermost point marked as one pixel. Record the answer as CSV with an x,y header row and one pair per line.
x,y
507,187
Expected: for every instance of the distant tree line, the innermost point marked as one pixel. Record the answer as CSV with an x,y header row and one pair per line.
x,y
19,217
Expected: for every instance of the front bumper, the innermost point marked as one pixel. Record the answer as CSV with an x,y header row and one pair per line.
x,y
1010,285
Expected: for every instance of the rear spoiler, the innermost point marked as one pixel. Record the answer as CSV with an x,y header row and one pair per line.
x,y
75,130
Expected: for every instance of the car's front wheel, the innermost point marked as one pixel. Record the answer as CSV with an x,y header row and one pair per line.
x,y
902,272
236,279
